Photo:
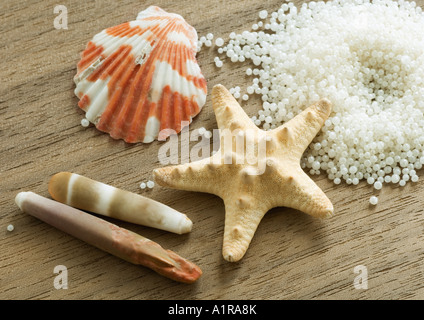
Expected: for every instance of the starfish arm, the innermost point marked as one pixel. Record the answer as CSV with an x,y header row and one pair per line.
x,y
299,132
229,114
242,217
303,194
191,176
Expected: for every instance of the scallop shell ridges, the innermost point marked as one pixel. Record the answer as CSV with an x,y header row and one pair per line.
x,y
141,77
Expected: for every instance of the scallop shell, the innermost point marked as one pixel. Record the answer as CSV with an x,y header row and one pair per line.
x,y
141,77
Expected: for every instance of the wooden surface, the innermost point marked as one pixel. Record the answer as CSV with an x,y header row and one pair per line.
x,y
292,256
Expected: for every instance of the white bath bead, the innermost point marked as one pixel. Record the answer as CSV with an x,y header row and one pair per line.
x,y
403,163
353,169
378,185
219,42
209,36
317,146
150,184
373,200
256,61
85,123
395,178
10,227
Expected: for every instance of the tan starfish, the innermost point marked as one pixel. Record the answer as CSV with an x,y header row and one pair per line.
x,y
250,189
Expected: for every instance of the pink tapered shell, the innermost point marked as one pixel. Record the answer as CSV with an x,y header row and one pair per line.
x,y
141,77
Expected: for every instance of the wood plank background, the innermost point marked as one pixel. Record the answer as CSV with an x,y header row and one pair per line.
x,y
292,255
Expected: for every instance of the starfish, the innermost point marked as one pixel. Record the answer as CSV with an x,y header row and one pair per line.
x,y
250,188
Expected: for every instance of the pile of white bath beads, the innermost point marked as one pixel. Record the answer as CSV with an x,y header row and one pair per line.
x,y
368,60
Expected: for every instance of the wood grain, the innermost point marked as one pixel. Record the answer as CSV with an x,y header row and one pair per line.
x,y
292,255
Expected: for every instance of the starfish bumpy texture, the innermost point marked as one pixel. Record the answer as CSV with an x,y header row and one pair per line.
x,y
250,188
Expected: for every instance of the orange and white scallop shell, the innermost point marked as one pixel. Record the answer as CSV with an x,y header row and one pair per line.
x,y
139,78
